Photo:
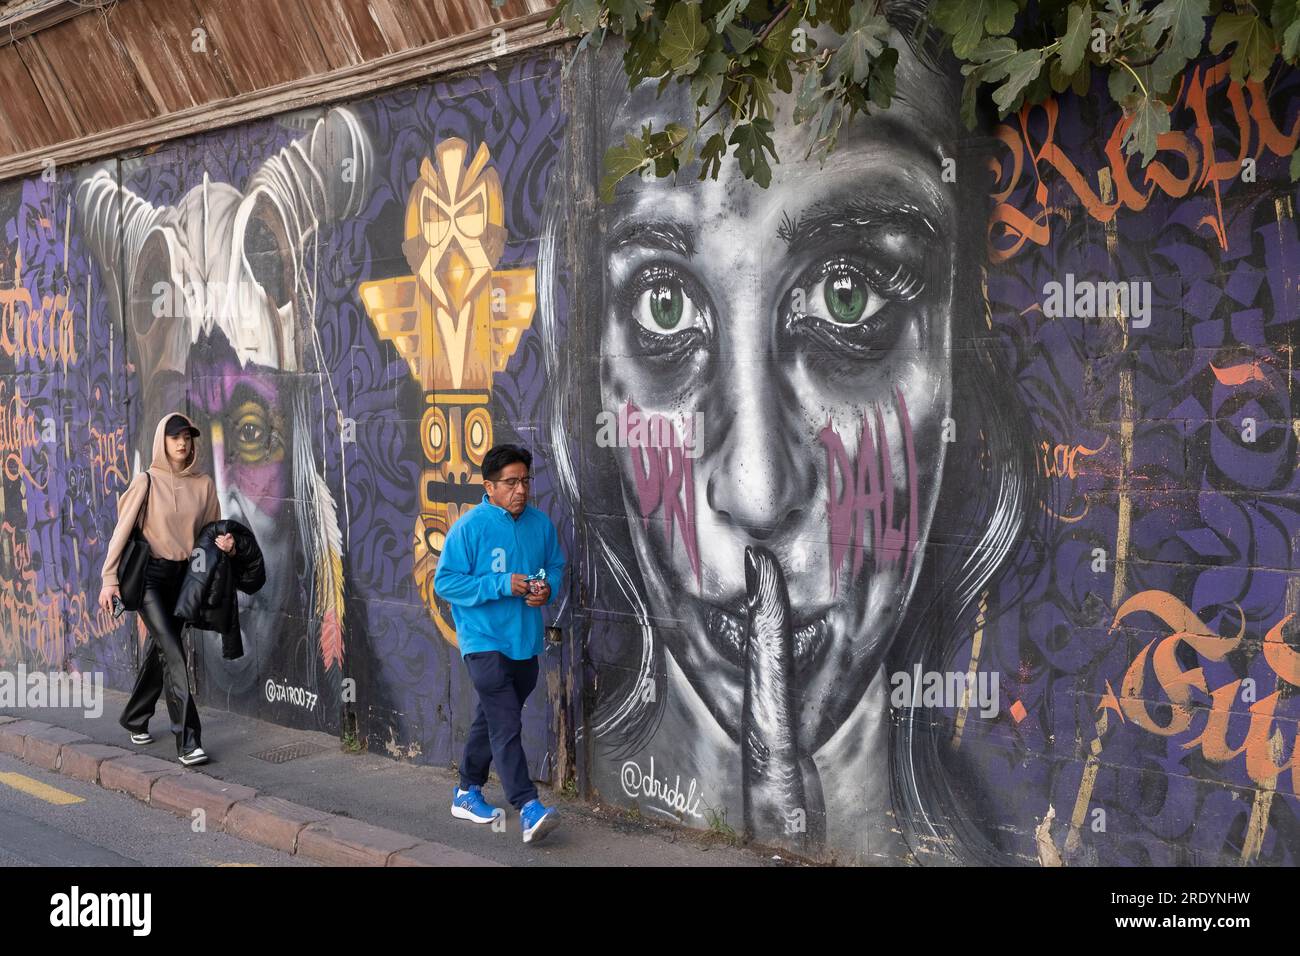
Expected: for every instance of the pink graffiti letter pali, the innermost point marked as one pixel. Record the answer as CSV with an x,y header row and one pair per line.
x,y
665,477
852,492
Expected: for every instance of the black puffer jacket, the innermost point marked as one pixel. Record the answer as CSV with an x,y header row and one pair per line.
x,y
207,596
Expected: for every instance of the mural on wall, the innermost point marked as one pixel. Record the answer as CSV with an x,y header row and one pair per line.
x,y
242,258
63,455
233,263
1172,677
894,549
456,320
768,504
219,287
937,503
427,320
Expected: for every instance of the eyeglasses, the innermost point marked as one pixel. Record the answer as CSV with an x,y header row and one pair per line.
x,y
513,483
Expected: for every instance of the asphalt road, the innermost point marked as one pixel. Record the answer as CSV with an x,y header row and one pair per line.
x,y
47,819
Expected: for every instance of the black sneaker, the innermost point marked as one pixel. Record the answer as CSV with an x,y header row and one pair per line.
x,y
141,739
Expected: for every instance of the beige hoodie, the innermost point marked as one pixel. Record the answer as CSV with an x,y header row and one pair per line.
x,y
181,504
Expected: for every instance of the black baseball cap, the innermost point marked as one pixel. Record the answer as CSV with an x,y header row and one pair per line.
x,y
177,424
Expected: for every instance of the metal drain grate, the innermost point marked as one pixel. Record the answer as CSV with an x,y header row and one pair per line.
x,y
286,752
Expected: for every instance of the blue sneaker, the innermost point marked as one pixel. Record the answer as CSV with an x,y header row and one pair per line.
x,y
470,805
537,820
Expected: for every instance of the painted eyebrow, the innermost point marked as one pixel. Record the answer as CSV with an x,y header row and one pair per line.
x,y
663,234
829,218
823,219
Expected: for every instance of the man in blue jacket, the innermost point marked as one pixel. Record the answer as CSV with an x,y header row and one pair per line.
x,y
489,554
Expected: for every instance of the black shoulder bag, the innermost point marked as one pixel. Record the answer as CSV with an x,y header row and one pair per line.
x,y
135,557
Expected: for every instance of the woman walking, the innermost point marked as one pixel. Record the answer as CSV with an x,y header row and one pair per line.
x,y
177,503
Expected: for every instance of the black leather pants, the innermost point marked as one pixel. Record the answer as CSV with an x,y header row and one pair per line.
x,y
162,669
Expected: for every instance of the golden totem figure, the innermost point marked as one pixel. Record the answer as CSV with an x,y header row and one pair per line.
x,y
456,321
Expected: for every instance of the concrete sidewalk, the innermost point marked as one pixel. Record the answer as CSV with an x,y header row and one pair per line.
x,y
300,792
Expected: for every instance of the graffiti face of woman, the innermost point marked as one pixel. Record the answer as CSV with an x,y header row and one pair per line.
x,y
797,338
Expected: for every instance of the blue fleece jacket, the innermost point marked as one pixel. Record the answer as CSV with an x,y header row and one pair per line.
x,y
484,548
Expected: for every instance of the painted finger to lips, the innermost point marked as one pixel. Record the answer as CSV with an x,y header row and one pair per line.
x,y
776,797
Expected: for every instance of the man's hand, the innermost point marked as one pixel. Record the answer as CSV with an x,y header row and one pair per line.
x,y
541,597
518,585
226,542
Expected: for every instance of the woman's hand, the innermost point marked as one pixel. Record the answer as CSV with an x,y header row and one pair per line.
x,y
106,595
226,542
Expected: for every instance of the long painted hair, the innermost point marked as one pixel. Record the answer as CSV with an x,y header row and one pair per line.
x,y
998,485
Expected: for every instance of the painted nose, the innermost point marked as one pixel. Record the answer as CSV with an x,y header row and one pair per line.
x,y
762,479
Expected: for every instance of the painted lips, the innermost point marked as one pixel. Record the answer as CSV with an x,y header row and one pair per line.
x,y
727,629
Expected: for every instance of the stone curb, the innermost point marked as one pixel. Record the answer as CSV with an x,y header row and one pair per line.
x,y
437,854
13,736
339,841
238,810
43,746
135,774
83,760
184,793
271,822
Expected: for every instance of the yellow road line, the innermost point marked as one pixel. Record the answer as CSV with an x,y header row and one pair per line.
x,y
41,791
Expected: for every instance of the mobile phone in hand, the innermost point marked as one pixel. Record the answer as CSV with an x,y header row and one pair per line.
x,y
118,607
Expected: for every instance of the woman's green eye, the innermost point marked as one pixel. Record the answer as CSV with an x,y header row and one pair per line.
x,y
846,297
661,304
841,294
665,305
